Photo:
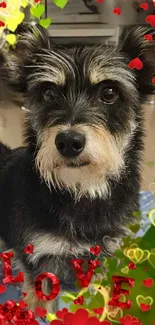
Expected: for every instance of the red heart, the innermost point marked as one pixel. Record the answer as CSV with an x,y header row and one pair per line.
x,y
24,294
41,312
22,304
117,11
79,300
129,320
98,311
148,37
95,250
2,24
2,288
145,307
153,80
148,282
56,322
29,249
61,313
136,64
144,6
131,265
3,5
80,317
151,19
94,321
99,1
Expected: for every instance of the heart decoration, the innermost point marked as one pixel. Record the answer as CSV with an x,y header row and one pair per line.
x,y
98,311
79,300
129,320
95,250
153,80
125,270
2,288
80,317
2,24
151,259
41,312
117,11
132,266
152,212
3,5
45,22
29,249
61,313
144,6
22,304
60,3
11,39
145,307
136,64
148,283
137,255
150,19
148,37
37,11
114,313
144,300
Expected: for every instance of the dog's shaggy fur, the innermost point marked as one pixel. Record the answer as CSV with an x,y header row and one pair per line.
x,y
65,205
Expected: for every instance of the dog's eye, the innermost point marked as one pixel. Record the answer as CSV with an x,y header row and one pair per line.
x,y
109,94
48,95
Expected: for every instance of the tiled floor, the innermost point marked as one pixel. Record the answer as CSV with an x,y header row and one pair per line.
x,y
11,120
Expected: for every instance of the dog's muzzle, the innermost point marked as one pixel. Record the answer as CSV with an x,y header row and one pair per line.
x,y
70,143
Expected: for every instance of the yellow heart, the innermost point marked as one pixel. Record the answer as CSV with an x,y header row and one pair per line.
x,y
24,3
152,259
151,216
137,255
130,254
144,300
108,289
51,317
145,257
125,270
11,39
114,314
12,23
134,245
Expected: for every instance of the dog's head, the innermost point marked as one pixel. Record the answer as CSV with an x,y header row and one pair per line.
x,y
84,107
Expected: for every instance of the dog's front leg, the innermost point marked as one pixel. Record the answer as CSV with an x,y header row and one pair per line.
x,y
31,297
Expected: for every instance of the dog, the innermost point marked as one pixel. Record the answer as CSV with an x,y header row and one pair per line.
x,y
75,182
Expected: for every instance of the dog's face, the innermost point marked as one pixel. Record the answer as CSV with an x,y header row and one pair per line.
x,y
84,110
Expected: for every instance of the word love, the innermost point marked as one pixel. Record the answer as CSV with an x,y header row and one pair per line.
x,y
83,277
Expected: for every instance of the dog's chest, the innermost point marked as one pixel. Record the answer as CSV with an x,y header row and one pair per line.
x,y
46,244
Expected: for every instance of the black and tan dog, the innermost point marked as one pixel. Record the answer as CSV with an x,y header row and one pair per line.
x,y
76,182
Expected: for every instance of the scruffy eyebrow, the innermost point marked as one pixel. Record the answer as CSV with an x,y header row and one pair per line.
x,y
51,66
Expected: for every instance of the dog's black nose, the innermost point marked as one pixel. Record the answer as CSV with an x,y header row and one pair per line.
x,y
70,143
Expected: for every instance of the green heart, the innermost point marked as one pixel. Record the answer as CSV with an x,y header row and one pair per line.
x,y
45,22
37,11
60,3
137,214
151,163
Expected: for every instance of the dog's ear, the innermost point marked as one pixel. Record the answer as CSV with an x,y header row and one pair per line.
x,y
31,40
139,42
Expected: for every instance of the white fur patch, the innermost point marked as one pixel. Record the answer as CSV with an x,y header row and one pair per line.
x,y
50,244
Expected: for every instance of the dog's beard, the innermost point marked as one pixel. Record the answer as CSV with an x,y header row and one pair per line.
x,y
86,175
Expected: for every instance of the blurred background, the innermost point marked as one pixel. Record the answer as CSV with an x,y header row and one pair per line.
x,y
88,21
